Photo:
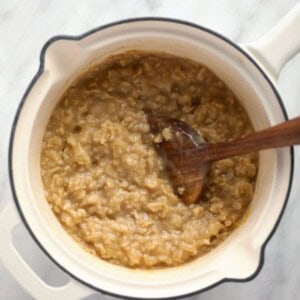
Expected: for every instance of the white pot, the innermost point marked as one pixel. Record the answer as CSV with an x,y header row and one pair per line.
x,y
249,71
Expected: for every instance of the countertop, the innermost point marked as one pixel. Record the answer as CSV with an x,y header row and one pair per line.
x,y
25,26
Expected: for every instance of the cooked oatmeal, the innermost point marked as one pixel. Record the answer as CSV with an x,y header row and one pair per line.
x,y
107,184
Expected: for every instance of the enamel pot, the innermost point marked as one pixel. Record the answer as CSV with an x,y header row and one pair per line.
x,y
249,70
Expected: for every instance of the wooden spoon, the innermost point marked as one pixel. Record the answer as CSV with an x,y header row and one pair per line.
x,y
187,155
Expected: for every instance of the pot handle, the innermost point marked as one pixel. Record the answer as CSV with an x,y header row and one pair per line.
x,y
21,271
279,45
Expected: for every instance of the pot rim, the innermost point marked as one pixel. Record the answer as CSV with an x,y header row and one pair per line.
x,y
112,24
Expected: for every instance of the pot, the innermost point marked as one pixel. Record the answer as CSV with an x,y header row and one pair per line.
x,y
249,70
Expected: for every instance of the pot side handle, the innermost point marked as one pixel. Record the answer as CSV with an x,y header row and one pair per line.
x,y
279,45
22,272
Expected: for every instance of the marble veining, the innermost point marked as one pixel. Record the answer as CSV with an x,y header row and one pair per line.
x,y
25,25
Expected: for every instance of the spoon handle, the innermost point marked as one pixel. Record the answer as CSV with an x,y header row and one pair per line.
x,y
284,134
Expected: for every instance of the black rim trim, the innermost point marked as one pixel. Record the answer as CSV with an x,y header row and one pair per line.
x,y
79,37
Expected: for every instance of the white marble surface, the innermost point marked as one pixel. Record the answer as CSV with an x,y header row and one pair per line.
x,y
25,25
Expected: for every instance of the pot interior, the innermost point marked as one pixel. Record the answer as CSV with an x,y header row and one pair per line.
x,y
237,257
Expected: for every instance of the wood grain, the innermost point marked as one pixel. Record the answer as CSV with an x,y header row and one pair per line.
x,y
284,134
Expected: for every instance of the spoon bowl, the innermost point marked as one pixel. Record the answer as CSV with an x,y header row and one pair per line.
x,y
179,145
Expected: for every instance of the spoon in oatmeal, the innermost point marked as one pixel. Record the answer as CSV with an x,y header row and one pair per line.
x,y
188,156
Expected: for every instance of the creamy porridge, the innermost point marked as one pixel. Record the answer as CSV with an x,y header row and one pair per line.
x,y
105,181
